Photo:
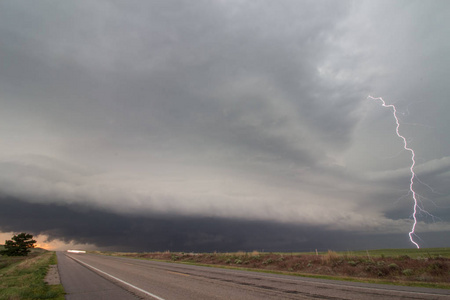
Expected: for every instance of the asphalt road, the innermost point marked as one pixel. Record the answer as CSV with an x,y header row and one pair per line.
x,y
87,276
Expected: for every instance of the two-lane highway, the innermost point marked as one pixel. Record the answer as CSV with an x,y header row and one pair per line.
x,y
131,279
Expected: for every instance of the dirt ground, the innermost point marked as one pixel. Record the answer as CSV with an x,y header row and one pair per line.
x,y
52,277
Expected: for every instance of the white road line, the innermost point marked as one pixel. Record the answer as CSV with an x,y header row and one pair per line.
x,y
120,280
299,279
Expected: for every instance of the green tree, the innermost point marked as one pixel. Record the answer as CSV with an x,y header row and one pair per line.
x,y
19,245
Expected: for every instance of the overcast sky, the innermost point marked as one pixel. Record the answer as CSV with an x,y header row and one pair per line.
x,y
224,125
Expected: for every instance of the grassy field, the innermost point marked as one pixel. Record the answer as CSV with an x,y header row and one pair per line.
x,y
413,267
412,253
23,277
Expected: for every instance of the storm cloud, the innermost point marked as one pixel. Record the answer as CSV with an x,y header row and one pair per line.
x,y
156,232
167,116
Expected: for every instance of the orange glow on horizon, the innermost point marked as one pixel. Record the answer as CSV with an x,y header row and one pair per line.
x,y
43,242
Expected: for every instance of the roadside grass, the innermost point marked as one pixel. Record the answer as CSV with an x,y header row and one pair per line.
x,y
23,277
420,268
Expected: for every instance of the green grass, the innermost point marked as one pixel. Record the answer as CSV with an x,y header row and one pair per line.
x,y
23,277
411,252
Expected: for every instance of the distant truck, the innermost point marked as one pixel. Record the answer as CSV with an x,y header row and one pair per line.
x,y
76,251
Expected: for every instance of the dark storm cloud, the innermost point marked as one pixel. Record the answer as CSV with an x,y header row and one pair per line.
x,y
84,225
234,110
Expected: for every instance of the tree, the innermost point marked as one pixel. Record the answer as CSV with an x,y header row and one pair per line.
x,y
19,245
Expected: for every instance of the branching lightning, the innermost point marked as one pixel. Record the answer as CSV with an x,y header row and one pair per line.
x,y
413,163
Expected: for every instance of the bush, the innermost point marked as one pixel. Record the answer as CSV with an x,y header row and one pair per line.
x,y
407,272
437,268
256,257
331,256
393,266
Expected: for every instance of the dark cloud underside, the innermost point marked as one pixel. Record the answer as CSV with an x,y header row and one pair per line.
x,y
82,224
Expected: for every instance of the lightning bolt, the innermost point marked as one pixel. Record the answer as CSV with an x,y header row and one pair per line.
x,y
411,168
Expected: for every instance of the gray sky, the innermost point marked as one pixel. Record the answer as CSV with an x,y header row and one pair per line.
x,y
202,115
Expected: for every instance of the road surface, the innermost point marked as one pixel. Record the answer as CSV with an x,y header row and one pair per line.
x,y
88,276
